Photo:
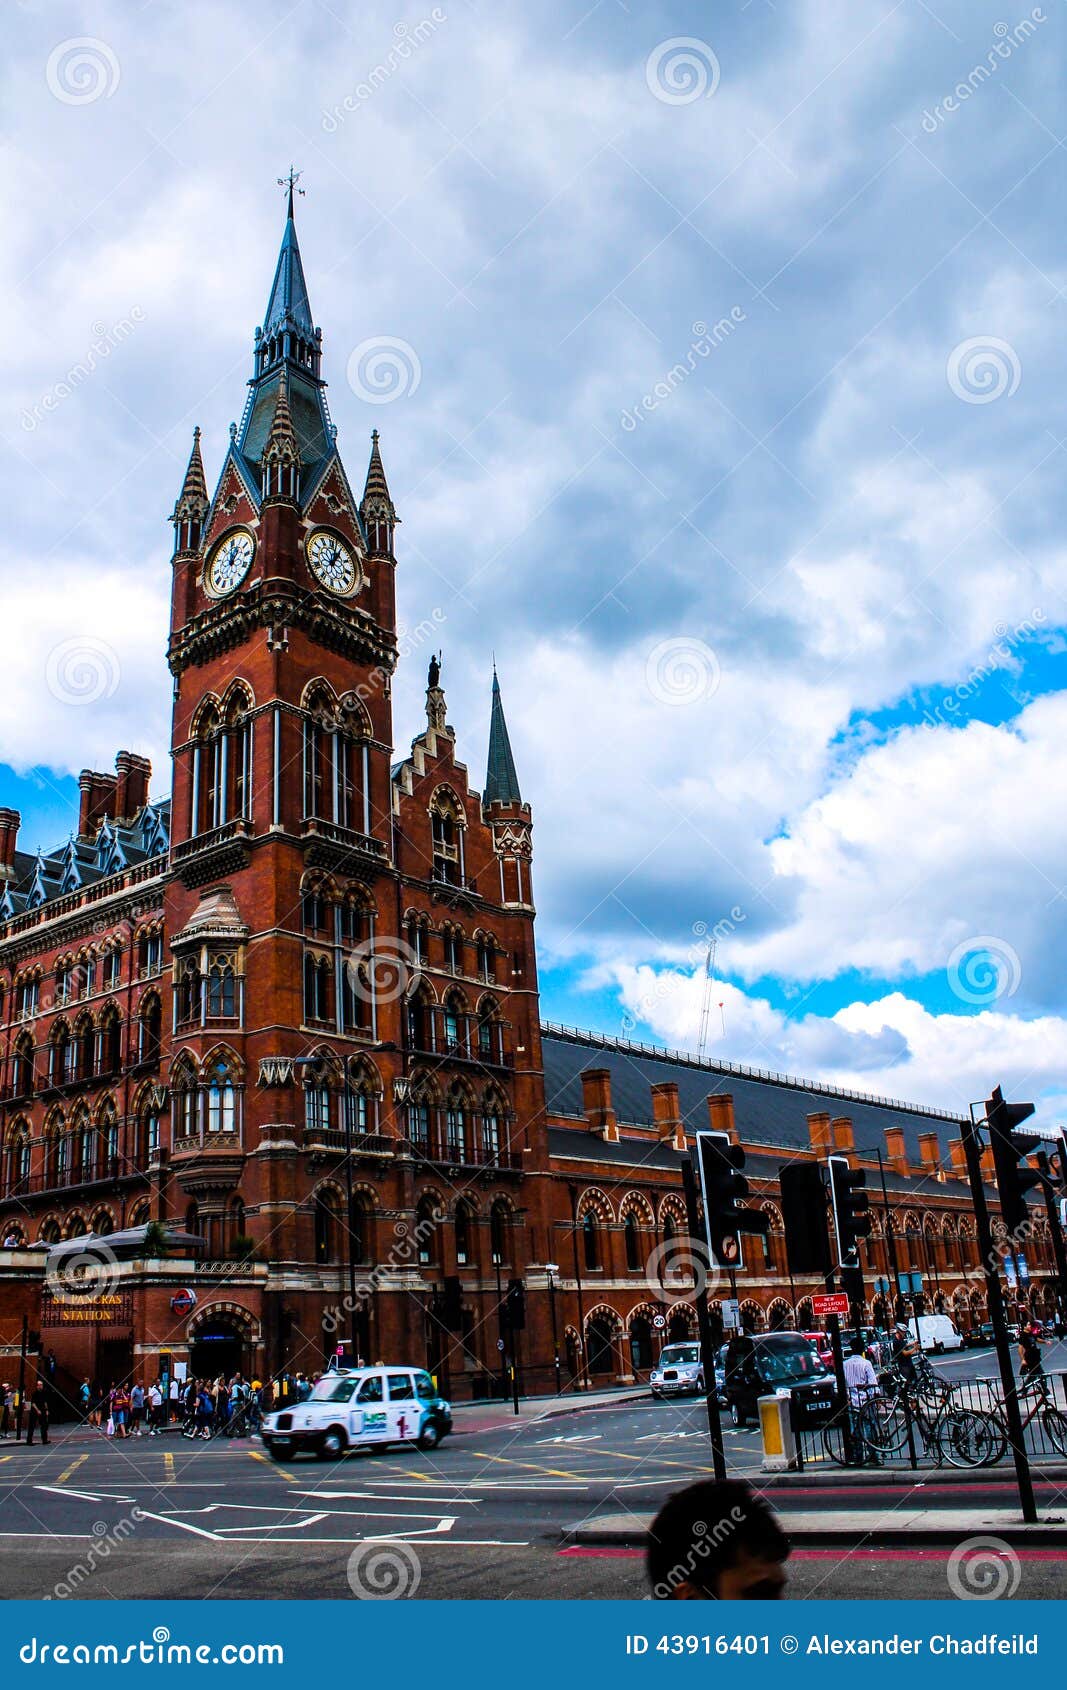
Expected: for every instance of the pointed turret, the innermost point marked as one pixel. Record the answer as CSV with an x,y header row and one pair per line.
x,y
501,781
281,455
193,502
288,308
376,508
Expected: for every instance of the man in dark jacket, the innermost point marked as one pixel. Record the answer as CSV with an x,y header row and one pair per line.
x,y
38,1413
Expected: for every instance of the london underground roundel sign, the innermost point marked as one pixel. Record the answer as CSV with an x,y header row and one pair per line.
x,y
183,1301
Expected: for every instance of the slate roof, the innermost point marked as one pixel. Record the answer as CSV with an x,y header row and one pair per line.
x,y
52,874
768,1108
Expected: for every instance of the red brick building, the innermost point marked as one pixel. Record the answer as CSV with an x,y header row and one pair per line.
x,y
206,997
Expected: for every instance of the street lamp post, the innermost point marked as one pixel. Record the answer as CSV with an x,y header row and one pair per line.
x,y
552,1268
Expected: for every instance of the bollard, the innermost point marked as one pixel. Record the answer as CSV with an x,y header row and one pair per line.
x,y
776,1430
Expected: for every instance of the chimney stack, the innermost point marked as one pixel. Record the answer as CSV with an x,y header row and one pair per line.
x,y
820,1135
10,822
721,1114
958,1157
843,1135
667,1113
896,1150
133,774
98,799
929,1150
596,1103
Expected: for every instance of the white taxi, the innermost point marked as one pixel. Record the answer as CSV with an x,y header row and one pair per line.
x,y
361,1408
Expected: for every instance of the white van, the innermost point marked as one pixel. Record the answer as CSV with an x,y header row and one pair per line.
x,y
352,1410
935,1332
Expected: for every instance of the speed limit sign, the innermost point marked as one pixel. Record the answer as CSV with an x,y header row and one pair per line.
x,y
659,1321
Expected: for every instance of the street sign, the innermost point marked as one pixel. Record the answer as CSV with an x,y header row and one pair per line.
x,y
659,1321
183,1301
731,1314
835,1302
500,1343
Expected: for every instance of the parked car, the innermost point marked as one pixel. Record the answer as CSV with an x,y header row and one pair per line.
x,y
782,1364
822,1343
678,1371
979,1337
364,1407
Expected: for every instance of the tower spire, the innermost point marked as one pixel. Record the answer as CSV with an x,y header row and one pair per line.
x,y
281,455
376,507
501,780
192,504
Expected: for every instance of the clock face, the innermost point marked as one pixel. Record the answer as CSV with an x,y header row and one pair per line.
x,y
332,562
230,561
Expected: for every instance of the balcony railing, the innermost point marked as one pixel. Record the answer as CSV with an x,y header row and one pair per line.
x,y
67,1179
446,1152
237,828
362,1144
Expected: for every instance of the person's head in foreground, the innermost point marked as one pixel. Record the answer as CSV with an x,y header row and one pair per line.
x,y
717,1542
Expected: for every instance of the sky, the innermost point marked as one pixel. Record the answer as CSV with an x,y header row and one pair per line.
x,y
718,358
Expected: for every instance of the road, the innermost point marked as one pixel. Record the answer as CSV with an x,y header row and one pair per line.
x,y
483,1515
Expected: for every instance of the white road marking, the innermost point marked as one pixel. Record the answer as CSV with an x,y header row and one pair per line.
x,y
373,1496
183,1525
284,1526
84,1495
572,1438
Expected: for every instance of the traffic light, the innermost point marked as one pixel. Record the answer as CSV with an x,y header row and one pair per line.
x,y
1009,1150
807,1236
516,1301
724,1188
851,1206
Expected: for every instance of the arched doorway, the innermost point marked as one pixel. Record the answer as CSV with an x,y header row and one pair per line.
x,y
220,1343
598,1344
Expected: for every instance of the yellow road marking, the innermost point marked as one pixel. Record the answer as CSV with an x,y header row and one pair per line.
x,y
75,1464
5,1458
290,1478
168,1468
534,1467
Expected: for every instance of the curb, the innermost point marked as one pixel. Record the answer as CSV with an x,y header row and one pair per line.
x,y
907,1477
840,1535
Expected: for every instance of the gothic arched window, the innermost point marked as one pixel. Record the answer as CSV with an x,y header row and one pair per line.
x,y
221,1098
446,818
591,1240
221,987
149,1029
22,1066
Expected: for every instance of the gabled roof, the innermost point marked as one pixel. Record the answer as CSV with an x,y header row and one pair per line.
x,y
37,880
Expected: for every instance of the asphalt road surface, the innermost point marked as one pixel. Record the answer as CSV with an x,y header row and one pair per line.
x,y
482,1516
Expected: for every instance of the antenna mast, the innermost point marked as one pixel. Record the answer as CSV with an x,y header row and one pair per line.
x,y
705,1009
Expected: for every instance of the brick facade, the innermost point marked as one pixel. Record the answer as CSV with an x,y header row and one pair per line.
x,y
200,993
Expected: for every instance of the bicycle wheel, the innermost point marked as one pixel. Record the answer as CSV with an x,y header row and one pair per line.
x,y
1055,1423
843,1454
886,1427
966,1438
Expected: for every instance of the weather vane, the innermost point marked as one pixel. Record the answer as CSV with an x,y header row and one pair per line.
x,y
291,181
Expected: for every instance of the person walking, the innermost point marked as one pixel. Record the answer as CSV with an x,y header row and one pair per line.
x,y
1031,1367
85,1399
205,1410
38,1420
155,1410
861,1381
136,1409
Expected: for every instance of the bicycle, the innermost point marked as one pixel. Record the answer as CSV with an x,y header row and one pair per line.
x,y
953,1436
1052,1420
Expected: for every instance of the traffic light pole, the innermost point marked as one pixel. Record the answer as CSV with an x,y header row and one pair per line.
x,y
707,1345
1052,1214
973,1152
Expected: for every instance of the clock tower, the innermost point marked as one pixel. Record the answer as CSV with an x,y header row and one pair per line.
x,y
354,1061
